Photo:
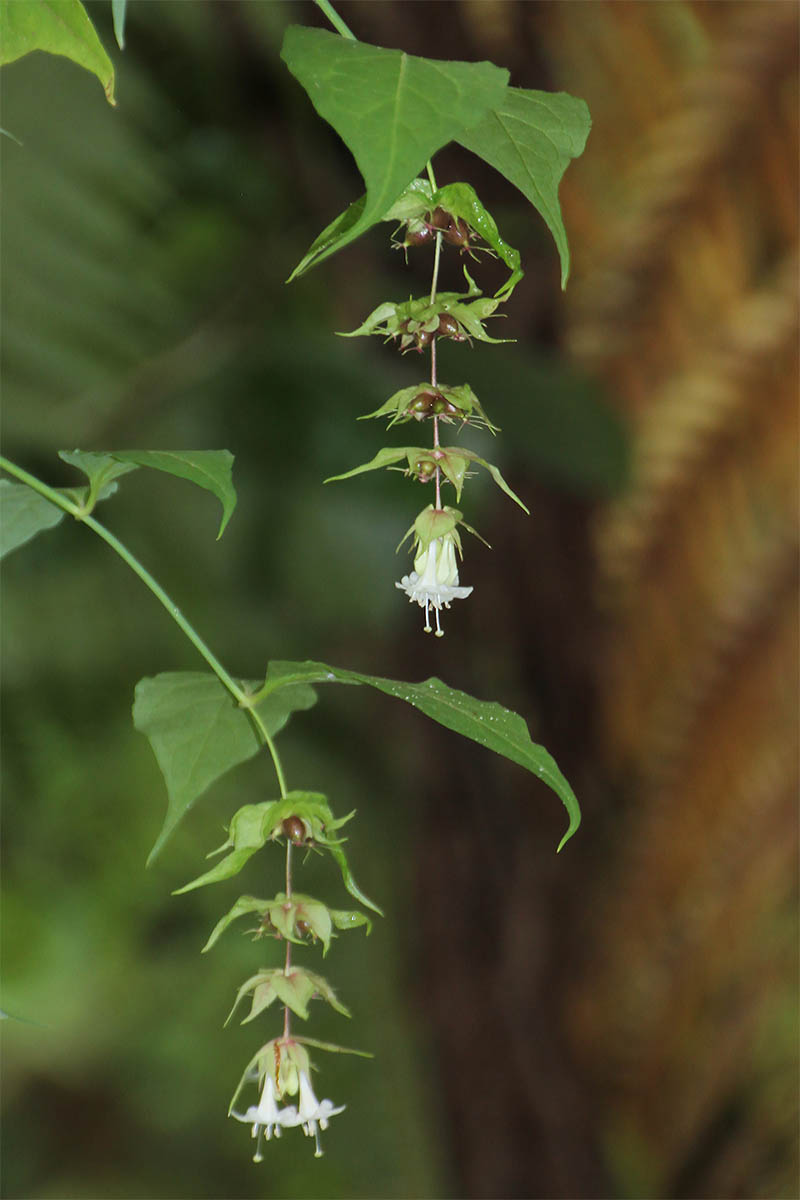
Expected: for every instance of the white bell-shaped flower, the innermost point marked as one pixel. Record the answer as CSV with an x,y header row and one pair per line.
x,y
267,1118
314,1114
433,583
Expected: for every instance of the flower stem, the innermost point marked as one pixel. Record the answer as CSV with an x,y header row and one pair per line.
x,y
287,965
81,514
437,253
335,20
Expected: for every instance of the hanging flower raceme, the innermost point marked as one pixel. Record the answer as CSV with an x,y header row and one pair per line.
x,y
454,216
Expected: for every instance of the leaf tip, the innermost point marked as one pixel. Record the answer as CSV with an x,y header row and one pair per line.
x,y
573,828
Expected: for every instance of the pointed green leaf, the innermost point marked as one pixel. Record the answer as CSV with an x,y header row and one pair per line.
x,y
384,458
496,476
227,867
118,12
485,722
100,469
392,110
23,514
462,201
209,469
325,992
387,311
59,27
263,993
331,1047
244,905
349,882
331,238
348,919
501,483
530,137
198,732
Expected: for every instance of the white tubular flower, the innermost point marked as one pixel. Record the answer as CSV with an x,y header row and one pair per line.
x,y
267,1117
434,581
313,1114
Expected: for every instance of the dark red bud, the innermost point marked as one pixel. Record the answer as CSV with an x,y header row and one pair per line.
x,y
457,233
302,927
448,326
294,829
418,237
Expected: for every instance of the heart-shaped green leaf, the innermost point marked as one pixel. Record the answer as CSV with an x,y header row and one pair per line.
x,y
23,514
59,27
209,469
392,110
530,138
198,732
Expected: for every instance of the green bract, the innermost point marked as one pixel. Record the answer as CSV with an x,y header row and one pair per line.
x,y
419,202
433,523
452,314
256,824
423,462
294,990
424,400
320,919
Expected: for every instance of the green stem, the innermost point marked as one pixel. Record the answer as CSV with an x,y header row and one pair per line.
x,y
80,514
335,20
268,742
172,608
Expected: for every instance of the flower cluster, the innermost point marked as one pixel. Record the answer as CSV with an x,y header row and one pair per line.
x,y
431,216
267,1118
282,1067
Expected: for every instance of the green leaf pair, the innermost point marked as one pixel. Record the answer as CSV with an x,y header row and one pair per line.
x,y
394,111
423,463
26,512
208,469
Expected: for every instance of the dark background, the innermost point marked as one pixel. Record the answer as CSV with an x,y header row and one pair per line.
x,y
617,1021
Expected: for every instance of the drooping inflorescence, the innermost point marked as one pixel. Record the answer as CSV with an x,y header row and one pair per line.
x,y
281,1068
428,216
